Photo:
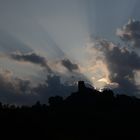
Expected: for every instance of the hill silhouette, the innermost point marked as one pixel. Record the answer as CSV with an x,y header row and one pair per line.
x,y
85,114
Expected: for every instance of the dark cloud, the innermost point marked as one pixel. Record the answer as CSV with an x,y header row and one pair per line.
x,y
53,87
122,64
69,65
19,91
130,32
73,74
32,58
15,90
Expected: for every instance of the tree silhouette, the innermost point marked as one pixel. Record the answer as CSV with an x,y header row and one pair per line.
x,y
86,114
54,101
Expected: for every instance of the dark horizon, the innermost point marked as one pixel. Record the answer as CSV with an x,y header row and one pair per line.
x,y
86,114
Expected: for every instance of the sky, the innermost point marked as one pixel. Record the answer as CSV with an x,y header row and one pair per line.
x,y
54,43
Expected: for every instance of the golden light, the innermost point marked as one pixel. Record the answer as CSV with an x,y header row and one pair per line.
x,y
104,80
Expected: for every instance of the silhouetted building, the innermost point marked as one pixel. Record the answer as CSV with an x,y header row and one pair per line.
x,y
81,86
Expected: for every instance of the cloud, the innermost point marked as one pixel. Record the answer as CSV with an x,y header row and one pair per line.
x,y
69,65
32,58
53,87
19,91
15,90
130,32
121,63
74,72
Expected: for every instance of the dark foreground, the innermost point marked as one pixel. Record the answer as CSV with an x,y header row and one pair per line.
x,y
86,114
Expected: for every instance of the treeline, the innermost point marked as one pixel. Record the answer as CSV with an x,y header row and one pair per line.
x,y
86,114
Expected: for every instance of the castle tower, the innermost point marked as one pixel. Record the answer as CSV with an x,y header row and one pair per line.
x,y
81,86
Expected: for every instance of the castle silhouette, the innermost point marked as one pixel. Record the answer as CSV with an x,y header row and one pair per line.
x,y
85,114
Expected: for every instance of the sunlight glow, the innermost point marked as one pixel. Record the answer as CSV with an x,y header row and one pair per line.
x,y
104,80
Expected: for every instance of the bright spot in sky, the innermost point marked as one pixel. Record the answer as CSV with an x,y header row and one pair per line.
x,y
104,80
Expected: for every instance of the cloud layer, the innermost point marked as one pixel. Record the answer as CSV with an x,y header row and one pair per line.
x,y
20,91
15,90
122,65
130,32
122,62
